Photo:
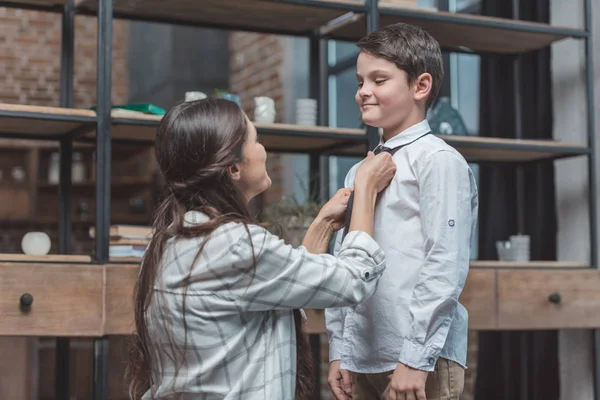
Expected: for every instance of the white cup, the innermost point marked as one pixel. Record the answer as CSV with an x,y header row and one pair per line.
x,y
264,110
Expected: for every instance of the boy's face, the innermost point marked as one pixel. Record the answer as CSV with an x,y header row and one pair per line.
x,y
384,97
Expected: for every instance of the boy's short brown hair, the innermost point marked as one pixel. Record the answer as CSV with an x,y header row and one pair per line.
x,y
411,49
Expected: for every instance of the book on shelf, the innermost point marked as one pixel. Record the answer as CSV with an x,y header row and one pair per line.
x,y
127,241
117,250
130,232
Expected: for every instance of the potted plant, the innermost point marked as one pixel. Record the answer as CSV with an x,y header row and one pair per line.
x,y
292,218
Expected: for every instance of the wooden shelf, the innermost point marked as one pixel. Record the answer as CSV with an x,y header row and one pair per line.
x,y
306,139
36,122
483,149
269,16
284,138
464,32
529,264
289,138
127,182
43,4
56,258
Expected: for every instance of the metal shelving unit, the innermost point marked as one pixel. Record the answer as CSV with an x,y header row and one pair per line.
x,y
318,20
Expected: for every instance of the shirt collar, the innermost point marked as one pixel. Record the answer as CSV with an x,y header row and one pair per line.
x,y
194,218
407,135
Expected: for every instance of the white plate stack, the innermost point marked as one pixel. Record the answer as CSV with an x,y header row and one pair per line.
x,y
306,112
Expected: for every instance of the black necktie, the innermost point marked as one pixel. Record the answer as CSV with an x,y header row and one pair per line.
x,y
377,150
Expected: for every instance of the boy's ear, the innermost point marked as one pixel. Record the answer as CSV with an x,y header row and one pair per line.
x,y
423,86
234,172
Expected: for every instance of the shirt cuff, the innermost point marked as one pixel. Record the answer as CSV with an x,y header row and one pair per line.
x,y
360,245
418,356
335,350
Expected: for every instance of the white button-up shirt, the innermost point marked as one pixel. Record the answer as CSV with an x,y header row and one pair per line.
x,y
241,341
424,222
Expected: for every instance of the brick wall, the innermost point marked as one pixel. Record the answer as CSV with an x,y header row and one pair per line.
x,y
256,63
30,58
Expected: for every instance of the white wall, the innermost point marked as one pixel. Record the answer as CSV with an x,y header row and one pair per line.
x,y
570,125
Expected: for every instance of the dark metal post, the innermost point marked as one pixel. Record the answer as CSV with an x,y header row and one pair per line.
x,y
372,25
62,354
103,141
520,183
591,132
103,172
66,145
323,98
592,194
101,368
519,130
318,165
520,173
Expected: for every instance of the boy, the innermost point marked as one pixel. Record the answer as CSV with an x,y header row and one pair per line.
x,y
409,340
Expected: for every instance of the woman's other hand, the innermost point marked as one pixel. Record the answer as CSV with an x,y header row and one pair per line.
x,y
334,211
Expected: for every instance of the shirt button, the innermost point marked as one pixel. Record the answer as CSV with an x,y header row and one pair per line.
x,y
431,361
367,274
451,222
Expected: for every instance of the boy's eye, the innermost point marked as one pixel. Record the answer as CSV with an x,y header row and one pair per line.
x,y
360,84
380,81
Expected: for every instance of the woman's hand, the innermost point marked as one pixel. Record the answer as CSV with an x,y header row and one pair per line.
x,y
376,172
331,218
334,211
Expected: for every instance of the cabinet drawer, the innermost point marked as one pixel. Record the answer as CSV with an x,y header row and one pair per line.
x,y
66,300
479,298
548,299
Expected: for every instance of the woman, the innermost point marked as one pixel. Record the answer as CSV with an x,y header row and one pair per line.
x,y
217,298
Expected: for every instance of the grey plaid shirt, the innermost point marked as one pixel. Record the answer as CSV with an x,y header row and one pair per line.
x,y
240,329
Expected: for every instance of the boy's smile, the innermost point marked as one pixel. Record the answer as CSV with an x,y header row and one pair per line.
x,y
384,96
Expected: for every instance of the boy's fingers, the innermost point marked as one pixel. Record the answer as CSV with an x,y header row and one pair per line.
x,y
347,382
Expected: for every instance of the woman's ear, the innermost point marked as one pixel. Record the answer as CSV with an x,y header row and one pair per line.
x,y
234,172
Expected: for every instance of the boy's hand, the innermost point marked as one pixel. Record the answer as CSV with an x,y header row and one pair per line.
x,y
407,384
339,381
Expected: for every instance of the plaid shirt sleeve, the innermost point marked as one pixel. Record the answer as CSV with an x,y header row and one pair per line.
x,y
334,317
285,277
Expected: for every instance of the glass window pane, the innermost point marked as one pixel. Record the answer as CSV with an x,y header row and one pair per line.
x,y
339,51
343,111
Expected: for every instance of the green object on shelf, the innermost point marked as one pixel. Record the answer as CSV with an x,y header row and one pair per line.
x,y
146,108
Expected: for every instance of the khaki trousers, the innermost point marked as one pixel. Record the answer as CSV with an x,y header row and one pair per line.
x,y
445,383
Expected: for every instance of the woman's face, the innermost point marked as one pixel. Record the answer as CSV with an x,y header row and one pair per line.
x,y
250,175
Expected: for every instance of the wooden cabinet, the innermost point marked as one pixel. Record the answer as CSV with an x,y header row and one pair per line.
x,y
84,299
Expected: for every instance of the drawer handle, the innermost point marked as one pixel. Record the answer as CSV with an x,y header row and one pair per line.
x,y
26,301
554,298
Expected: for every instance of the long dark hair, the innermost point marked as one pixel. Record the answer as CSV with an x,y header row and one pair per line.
x,y
195,145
